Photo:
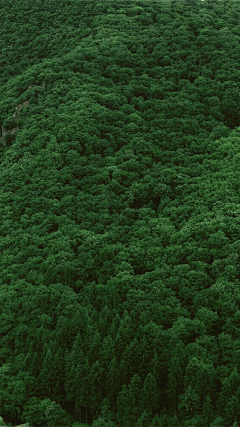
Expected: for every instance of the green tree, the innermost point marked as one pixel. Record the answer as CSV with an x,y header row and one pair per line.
x,y
207,412
189,403
150,395
129,402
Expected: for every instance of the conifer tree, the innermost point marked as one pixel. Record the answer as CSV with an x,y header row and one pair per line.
x,y
150,395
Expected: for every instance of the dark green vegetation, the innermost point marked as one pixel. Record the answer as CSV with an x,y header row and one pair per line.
x,y
120,215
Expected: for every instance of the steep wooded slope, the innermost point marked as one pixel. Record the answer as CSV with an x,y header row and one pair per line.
x,y
119,204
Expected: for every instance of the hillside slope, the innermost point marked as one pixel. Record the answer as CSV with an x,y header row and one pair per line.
x,y
119,204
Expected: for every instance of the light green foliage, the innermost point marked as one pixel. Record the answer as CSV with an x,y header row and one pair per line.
x,y
2,423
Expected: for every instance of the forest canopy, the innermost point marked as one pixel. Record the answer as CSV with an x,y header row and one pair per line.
x,y
120,215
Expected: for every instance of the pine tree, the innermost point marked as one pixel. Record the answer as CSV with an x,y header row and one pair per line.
x,y
59,374
128,402
232,411
150,395
144,420
48,370
201,377
175,382
82,384
96,382
113,382
207,412
56,416
189,404
229,389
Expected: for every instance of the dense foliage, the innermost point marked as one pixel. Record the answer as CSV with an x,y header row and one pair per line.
x,y
120,215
